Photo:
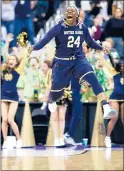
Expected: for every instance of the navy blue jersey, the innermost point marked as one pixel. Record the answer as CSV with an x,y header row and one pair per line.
x,y
118,84
8,88
118,92
68,40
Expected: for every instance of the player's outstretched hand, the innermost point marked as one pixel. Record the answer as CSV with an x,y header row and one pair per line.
x,y
106,50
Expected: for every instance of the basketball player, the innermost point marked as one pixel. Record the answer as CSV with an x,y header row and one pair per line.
x,y
69,60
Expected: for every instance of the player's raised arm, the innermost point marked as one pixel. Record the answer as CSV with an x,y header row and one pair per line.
x,y
54,31
89,40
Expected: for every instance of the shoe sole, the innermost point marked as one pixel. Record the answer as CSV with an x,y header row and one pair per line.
x,y
68,142
111,114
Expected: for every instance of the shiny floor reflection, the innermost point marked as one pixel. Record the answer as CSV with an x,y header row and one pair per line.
x,y
63,159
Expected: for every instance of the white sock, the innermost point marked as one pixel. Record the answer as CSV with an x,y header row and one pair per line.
x,y
107,137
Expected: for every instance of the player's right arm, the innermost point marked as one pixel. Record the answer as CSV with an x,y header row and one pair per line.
x,y
89,40
53,32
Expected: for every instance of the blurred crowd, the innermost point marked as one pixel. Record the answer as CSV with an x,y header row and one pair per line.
x,y
104,20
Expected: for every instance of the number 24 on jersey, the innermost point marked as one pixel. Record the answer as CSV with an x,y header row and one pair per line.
x,y
72,41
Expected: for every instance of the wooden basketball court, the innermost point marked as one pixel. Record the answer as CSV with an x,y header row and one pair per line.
x,y
71,158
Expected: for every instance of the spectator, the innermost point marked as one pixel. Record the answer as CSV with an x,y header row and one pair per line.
x,y
95,8
102,77
113,51
39,14
31,80
117,4
3,34
8,15
110,2
96,29
45,68
24,19
84,13
87,91
89,54
58,116
114,29
103,10
101,21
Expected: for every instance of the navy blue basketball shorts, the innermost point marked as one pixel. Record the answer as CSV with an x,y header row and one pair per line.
x,y
62,72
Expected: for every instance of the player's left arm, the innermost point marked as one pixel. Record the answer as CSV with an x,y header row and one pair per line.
x,y
91,43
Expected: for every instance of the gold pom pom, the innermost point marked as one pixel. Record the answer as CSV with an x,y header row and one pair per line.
x,y
21,39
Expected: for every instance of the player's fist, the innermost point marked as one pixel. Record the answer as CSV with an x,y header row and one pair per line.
x,y
106,50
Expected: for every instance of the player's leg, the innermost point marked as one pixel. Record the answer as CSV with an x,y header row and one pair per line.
x,y
4,106
111,123
98,90
61,75
76,112
11,116
84,71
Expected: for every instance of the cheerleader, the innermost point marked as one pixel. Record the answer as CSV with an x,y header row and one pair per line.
x,y
117,71
58,115
9,96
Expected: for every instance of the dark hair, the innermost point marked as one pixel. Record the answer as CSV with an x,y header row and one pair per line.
x,y
49,63
116,66
1,59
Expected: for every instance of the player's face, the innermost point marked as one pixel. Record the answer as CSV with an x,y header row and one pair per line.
x,y
71,16
12,61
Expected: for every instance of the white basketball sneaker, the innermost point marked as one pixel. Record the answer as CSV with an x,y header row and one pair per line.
x,y
5,144
19,143
108,142
68,139
109,112
52,107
